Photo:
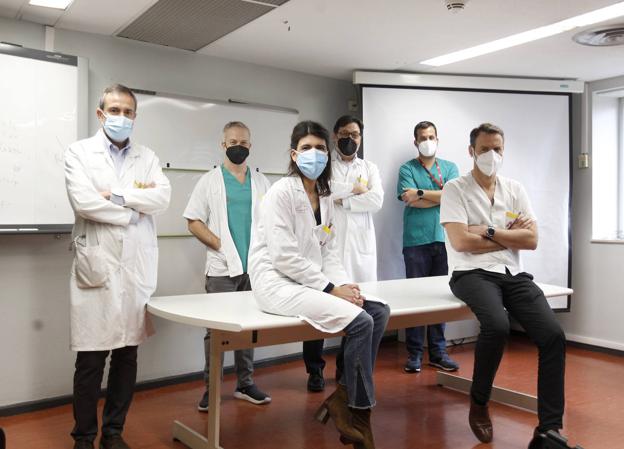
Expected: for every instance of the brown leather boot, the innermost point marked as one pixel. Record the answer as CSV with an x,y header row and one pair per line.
x,y
336,408
480,423
361,421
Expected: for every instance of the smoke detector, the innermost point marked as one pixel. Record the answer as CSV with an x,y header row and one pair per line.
x,y
455,6
604,36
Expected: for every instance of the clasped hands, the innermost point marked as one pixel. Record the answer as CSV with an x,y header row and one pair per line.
x,y
350,293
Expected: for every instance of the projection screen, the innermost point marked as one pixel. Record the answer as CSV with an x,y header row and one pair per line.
x,y
537,153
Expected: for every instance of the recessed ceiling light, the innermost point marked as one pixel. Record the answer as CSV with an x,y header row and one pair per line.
x,y
56,4
599,15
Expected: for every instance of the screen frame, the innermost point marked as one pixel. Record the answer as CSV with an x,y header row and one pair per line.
x,y
568,307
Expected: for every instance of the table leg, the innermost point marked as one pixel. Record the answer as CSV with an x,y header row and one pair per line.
x,y
214,393
210,440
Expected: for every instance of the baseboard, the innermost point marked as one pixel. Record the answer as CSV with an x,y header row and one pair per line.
x,y
595,344
42,404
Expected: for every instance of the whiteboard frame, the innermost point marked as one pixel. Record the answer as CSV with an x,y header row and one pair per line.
x,y
82,120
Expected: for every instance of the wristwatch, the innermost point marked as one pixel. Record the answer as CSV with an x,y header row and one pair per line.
x,y
420,193
489,233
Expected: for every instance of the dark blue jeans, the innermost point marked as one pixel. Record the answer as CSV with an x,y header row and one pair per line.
x,y
424,261
361,343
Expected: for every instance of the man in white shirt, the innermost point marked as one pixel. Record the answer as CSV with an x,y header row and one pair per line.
x,y
358,194
220,214
488,219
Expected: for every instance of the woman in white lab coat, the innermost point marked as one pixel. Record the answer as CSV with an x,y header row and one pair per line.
x,y
295,270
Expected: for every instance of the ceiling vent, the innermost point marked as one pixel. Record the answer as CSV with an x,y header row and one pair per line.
x,y
455,6
193,24
602,36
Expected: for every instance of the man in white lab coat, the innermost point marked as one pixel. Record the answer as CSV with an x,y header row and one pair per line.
x,y
358,194
115,187
220,213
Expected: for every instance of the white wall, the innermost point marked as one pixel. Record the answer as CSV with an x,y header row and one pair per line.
x,y
34,303
598,301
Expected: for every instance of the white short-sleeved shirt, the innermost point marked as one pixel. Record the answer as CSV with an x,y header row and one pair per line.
x,y
464,201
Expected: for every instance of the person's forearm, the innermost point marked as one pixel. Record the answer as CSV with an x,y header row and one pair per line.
x,y
422,204
432,195
468,242
204,235
516,238
488,246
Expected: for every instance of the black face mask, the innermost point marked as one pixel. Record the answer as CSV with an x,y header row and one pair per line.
x,y
237,154
347,146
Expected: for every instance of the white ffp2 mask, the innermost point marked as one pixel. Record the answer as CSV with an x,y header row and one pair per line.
x,y
489,163
428,148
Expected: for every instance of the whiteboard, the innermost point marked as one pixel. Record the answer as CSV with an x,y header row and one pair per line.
x,y
40,91
171,222
537,153
187,132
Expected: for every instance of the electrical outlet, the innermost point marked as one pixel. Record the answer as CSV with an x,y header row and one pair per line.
x,y
352,105
583,160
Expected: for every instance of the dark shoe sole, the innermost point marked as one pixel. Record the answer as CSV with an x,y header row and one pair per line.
x,y
316,389
443,368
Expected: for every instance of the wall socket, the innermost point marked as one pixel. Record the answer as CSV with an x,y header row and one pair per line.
x,y
583,160
352,106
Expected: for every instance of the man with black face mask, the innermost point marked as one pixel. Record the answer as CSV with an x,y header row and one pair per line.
x,y
220,214
358,194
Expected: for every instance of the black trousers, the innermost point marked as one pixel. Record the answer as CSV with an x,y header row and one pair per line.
x,y
119,391
488,294
313,355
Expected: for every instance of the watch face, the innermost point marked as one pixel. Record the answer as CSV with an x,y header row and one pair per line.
x,y
490,231
419,192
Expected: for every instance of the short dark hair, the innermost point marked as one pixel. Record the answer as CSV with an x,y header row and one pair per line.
x,y
301,130
346,120
485,128
117,89
424,125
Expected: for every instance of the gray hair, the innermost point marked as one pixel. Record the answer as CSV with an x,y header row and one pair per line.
x,y
117,89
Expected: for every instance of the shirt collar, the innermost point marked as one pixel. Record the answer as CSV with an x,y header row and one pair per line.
x,y
113,148
338,158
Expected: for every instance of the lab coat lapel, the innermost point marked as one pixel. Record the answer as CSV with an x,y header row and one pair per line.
x,y
129,162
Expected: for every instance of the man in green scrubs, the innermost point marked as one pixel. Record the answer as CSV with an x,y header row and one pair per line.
x,y
220,214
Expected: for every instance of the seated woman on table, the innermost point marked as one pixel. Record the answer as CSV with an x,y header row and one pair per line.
x,y
295,271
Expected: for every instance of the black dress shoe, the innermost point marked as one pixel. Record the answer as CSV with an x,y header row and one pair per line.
x,y
548,439
316,382
113,442
81,444
480,423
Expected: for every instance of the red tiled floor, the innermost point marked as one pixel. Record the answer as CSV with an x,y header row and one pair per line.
x,y
412,411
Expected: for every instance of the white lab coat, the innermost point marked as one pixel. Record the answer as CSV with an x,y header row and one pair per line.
x,y
113,315
355,229
289,266
208,203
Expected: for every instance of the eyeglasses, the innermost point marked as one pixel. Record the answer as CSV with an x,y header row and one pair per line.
x,y
354,135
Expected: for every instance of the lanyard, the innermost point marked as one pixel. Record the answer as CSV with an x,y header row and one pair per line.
x,y
439,183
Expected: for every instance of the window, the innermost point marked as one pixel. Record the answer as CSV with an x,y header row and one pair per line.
x,y
608,165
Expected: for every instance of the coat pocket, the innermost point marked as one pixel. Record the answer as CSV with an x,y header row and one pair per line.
x,y
90,266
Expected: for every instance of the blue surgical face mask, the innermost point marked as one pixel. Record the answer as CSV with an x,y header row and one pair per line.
x,y
311,162
118,127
